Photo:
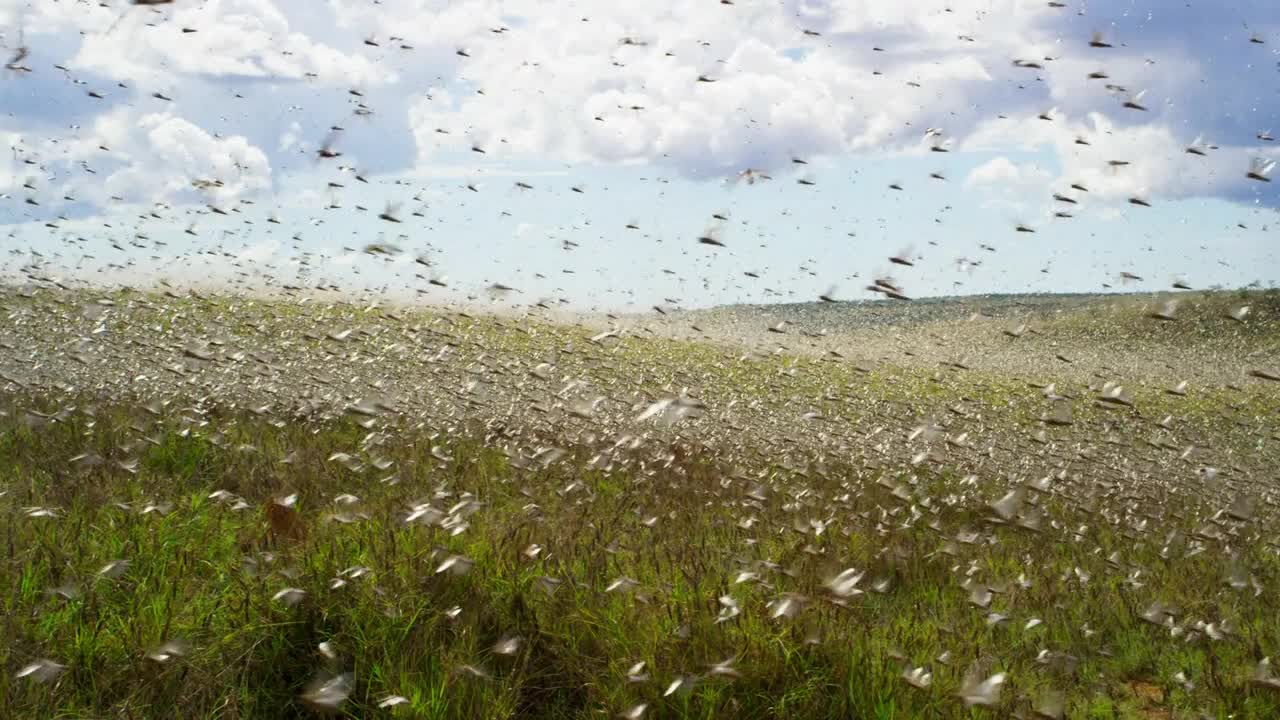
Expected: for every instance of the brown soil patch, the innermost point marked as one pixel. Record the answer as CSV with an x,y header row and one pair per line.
x,y
1152,697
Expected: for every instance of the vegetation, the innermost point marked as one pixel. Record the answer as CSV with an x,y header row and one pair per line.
x,y
920,531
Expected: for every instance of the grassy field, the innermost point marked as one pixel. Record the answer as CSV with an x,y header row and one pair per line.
x,y
345,524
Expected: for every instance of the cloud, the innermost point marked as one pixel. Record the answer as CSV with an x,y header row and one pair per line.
x,y
1003,172
425,23
181,152
157,47
289,139
259,252
624,89
10,166
540,86
1156,161
139,158
703,88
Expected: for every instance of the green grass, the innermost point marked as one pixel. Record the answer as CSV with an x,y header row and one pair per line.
x,y
677,512
202,574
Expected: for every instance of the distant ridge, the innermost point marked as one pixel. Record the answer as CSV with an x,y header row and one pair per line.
x,y
1002,298
861,314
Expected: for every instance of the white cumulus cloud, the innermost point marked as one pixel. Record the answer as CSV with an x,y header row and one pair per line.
x,y
251,38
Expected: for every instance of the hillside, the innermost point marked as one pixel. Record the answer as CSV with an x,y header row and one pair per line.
x,y
251,508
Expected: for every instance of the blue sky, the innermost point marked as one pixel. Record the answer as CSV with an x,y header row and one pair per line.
x,y
558,102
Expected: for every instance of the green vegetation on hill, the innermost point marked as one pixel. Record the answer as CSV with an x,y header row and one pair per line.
x,y
491,517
